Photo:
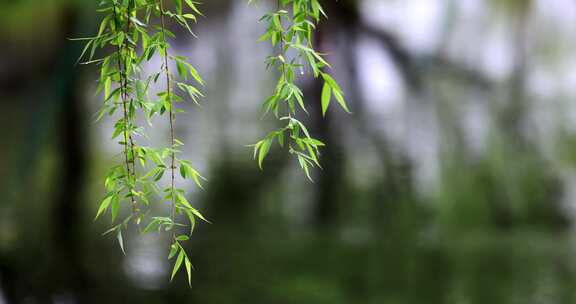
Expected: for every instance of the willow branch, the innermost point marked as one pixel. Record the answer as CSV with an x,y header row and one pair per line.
x,y
128,143
168,95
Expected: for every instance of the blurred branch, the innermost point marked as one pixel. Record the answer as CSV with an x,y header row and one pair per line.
x,y
404,61
413,68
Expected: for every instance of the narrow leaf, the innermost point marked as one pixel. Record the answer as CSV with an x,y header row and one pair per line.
x,y
120,240
178,263
188,270
326,96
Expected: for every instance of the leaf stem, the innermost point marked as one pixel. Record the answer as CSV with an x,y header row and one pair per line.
x,y
172,118
283,52
128,141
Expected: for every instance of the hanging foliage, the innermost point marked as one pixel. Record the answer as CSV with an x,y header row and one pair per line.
x,y
292,32
135,31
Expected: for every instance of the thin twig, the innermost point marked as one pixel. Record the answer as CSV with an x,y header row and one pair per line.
x,y
172,139
282,52
130,137
124,95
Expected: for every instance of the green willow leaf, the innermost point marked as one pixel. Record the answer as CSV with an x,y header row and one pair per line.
x,y
115,207
182,238
326,96
173,251
341,101
177,264
103,206
132,32
264,149
199,215
192,220
188,270
120,239
153,225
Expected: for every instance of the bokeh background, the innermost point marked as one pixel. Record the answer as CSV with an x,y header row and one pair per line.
x,y
452,182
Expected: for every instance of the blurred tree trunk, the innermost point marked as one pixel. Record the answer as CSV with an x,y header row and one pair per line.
x,y
72,150
331,179
512,116
54,111
396,185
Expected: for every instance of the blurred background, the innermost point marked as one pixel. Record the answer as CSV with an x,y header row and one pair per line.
x,y
452,182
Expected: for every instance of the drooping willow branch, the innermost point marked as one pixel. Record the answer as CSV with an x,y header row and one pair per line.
x,y
177,198
171,115
129,28
129,35
123,67
292,31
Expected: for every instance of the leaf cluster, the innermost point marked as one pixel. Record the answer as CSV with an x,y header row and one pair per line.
x,y
291,30
132,32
